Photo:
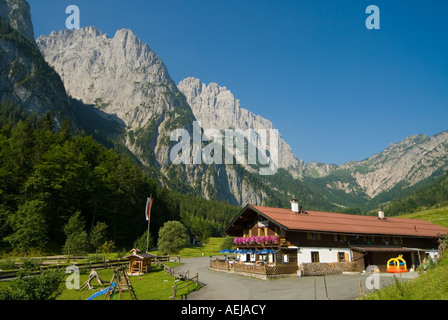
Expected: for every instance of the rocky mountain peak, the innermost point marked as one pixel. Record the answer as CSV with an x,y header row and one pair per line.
x,y
216,107
119,75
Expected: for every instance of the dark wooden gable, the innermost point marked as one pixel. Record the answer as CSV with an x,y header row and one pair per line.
x,y
248,219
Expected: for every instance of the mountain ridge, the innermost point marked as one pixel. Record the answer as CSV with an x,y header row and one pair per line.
x,y
121,76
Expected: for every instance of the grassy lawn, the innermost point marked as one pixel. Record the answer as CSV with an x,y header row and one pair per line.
x,y
437,216
210,248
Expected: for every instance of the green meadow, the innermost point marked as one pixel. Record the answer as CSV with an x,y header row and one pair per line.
x,y
438,216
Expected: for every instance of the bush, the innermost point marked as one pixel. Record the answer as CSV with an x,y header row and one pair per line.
x,y
46,286
172,237
227,243
28,264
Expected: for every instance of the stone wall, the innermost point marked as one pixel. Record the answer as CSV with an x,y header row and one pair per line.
x,y
319,269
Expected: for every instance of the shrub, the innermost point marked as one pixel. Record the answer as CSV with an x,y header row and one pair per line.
x,y
172,237
227,243
46,286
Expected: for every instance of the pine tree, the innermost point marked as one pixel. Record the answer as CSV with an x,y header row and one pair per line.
x,y
29,227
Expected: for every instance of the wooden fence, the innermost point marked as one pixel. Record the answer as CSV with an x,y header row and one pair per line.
x,y
263,270
181,279
87,265
161,259
182,282
59,262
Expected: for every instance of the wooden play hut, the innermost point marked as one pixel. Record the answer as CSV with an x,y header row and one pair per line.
x,y
139,262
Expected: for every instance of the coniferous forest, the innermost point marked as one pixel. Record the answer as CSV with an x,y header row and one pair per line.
x,y
428,196
50,176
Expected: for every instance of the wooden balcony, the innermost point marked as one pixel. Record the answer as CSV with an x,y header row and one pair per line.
x,y
260,242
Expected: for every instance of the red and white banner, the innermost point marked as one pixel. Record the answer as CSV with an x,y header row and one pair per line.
x,y
148,208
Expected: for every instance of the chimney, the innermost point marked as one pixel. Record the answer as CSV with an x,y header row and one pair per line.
x,y
381,215
295,205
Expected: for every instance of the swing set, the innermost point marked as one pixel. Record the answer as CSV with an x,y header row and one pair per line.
x,y
119,284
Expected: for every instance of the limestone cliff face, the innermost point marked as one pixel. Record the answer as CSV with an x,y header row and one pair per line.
x,y
410,161
17,14
123,77
119,75
25,77
216,107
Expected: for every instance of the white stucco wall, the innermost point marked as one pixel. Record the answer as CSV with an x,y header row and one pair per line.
x,y
326,255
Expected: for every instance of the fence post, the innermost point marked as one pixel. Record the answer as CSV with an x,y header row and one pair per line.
x,y
174,290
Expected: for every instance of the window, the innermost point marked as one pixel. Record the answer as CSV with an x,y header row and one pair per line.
x,y
285,258
315,256
313,236
340,237
342,257
397,240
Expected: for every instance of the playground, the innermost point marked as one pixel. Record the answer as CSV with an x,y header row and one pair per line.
x,y
154,285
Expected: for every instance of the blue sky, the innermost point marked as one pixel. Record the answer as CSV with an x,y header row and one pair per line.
x,y
335,90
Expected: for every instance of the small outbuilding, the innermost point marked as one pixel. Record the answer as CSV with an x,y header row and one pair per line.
x,y
139,262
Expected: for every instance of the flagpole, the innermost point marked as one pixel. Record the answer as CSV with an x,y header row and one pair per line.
x,y
147,235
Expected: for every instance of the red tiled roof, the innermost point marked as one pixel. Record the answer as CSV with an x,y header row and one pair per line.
x,y
346,223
